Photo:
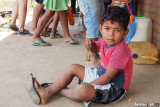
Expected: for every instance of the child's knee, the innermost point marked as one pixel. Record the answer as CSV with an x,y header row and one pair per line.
x,y
85,92
73,66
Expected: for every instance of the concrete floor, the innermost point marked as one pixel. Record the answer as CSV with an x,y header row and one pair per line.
x,y
18,58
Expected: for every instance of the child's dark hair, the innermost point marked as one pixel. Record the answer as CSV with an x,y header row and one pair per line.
x,y
116,14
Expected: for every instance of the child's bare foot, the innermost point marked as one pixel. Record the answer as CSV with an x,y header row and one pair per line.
x,y
70,40
38,39
43,94
55,36
32,30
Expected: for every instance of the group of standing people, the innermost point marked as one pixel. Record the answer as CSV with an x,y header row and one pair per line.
x,y
47,11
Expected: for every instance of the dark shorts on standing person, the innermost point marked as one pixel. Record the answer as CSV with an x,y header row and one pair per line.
x,y
39,1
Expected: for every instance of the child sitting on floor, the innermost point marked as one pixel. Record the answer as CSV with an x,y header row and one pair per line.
x,y
103,84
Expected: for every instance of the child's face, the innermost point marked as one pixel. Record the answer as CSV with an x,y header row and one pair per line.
x,y
112,33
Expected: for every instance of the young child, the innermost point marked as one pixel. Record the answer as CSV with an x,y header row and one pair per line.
x,y
103,84
52,6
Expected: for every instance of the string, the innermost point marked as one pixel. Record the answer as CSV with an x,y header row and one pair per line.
x,y
88,55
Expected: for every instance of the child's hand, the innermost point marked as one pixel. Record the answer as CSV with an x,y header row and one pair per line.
x,y
88,43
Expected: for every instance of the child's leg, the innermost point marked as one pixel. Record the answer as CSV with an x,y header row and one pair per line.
x,y
42,22
22,14
15,13
49,22
64,23
83,92
36,15
63,81
54,27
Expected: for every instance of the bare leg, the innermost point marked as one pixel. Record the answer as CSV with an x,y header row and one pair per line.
x,y
15,13
42,22
36,15
54,26
22,14
64,23
49,22
84,92
78,93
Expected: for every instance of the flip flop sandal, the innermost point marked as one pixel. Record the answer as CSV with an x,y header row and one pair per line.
x,y
44,33
46,84
79,35
39,44
13,28
23,32
54,36
72,41
31,89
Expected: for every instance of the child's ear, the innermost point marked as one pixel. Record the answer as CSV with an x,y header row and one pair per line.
x,y
100,27
125,33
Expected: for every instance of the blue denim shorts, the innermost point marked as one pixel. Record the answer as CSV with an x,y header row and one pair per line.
x,y
92,10
39,1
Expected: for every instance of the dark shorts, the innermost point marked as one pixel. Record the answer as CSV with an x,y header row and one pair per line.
x,y
105,96
108,95
39,1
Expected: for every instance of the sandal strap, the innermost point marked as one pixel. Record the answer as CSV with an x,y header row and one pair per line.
x,y
53,34
71,40
41,42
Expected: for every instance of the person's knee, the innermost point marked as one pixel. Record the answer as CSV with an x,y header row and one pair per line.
x,y
85,92
72,67
40,6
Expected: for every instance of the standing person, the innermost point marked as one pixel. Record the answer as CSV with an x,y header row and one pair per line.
x,y
37,13
103,84
91,10
38,10
51,6
20,9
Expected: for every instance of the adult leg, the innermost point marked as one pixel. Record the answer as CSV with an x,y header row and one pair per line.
x,y
15,13
36,14
63,81
22,13
42,22
91,11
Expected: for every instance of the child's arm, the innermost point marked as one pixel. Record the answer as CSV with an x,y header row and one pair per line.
x,y
107,77
92,47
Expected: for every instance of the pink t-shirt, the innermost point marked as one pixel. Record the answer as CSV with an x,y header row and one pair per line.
x,y
118,56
